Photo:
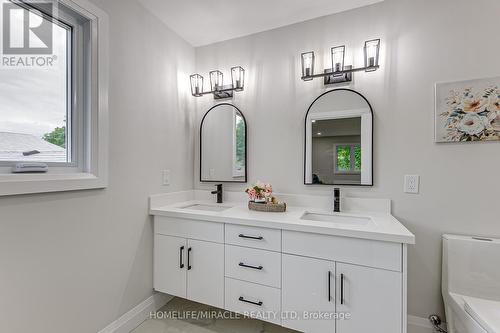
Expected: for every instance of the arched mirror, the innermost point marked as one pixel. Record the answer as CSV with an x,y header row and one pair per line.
x,y
339,140
223,145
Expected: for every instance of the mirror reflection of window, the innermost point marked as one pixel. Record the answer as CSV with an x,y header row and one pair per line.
x,y
348,158
338,143
238,145
223,145
336,148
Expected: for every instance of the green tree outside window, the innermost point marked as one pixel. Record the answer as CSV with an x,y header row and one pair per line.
x,y
357,158
57,137
343,158
240,141
348,158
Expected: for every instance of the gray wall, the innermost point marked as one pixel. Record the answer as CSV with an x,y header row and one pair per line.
x,y
76,261
423,42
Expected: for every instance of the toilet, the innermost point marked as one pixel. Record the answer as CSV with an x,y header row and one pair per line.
x,y
471,284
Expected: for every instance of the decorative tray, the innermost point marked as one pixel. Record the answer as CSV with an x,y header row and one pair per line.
x,y
267,207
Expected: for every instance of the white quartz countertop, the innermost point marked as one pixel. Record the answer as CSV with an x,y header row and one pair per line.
x,y
384,227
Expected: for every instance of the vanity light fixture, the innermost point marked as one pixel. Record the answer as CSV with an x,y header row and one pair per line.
x,y
216,80
338,56
340,72
372,50
196,85
217,87
238,78
307,66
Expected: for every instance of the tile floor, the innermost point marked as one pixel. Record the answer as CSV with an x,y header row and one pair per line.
x,y
184,307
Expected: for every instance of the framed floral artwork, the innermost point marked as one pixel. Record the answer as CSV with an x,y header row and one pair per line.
x,y
468,111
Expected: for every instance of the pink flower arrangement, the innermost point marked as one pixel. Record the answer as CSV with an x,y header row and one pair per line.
x,y
260,192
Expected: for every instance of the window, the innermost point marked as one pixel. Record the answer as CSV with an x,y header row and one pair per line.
x,y
348,158
239,146
35,93
53,95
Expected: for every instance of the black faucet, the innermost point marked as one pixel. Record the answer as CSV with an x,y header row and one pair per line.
x,y
218,192
336,200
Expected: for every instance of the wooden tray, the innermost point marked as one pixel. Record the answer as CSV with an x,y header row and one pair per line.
x,y
267,207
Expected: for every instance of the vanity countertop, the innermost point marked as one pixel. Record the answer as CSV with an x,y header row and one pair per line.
x,y
385,227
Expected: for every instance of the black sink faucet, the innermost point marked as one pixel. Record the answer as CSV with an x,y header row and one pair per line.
x,y
336,200
218,192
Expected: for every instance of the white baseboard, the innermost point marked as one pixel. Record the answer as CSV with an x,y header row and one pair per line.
x,y
419,325
137,315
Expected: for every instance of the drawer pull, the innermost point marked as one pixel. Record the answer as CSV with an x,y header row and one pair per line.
x,y
189,259
342,289
249,266
181,261
241,299
329,286
251,237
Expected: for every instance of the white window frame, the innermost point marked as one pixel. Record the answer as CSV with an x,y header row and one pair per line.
x,y
353,171
89,167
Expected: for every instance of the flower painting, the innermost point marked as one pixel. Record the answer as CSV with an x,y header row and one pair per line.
x,y
468,111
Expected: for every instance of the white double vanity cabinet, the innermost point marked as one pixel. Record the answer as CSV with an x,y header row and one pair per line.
x,y
347,275
307,269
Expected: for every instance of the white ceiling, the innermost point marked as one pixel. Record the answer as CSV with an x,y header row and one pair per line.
x,y
203,22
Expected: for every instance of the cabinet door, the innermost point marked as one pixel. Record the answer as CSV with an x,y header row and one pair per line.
x,y
169,265
372,297
308,289
205,277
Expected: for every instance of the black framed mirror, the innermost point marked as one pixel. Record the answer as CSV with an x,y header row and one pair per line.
x,y
338,141
223,145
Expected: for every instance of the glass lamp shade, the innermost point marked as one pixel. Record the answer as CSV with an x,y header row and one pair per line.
x,y
238,78
196,85
216,80
338,56
372,51
307,65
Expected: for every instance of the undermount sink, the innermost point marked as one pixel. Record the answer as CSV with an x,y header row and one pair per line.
x,y
207,207
336,218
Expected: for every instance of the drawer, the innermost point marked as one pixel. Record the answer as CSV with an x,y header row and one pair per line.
x,y
200,230
371,253
252,265
253,300
259,238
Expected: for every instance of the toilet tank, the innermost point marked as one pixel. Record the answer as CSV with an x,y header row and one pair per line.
x,y
471,266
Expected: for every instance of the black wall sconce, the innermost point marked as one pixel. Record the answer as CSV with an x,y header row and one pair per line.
x,y
217,87
340,72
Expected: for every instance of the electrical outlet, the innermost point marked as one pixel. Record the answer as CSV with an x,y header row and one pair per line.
x,y
166,177
412,183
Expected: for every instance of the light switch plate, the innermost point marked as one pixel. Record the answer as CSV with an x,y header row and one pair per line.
x,y
412,184
166,177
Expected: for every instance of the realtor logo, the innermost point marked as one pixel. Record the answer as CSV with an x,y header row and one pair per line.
x,y
25,31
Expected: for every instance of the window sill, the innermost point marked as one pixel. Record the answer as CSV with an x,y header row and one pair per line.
x,y
354,173
16,184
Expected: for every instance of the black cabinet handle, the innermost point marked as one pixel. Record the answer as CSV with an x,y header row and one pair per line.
x,y
341,288
329,286
181,261
251,237
189,258
241,299
249,266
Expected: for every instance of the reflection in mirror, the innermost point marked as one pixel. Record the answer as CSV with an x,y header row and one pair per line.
x,y
223,145
338,142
